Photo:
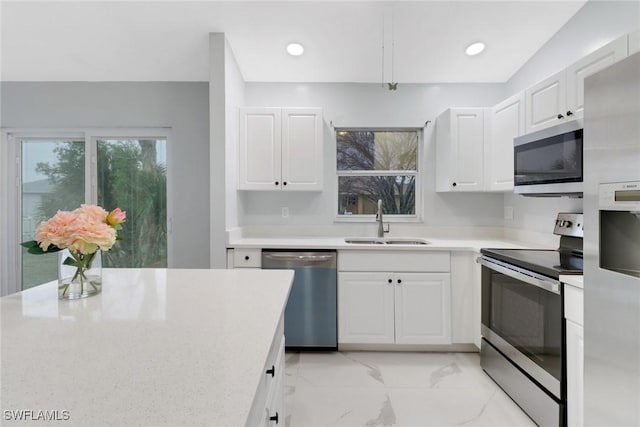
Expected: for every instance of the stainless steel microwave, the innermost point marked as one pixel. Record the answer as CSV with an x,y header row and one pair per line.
x,y
549,162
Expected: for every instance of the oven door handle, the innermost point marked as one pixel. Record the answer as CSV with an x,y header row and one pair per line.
x,y
543,283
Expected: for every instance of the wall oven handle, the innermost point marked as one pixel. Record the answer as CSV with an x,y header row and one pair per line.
x,y
522,275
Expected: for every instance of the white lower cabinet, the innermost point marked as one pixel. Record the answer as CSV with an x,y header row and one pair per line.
x,y
244,258
573,298
268,405
274,409
465,298
394,308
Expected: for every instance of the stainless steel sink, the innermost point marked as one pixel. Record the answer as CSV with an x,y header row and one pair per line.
x,y
364,241
407,242
386,241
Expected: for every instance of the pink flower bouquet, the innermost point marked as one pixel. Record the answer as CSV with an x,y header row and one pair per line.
x,y
82,231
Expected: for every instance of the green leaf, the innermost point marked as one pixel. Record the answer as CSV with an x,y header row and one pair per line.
x,y
33,248
70,261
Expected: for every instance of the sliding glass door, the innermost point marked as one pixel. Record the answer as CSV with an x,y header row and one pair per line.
x,y
62,173
52,179
132,175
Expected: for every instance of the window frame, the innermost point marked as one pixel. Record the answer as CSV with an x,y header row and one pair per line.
x,y
11,181
390,218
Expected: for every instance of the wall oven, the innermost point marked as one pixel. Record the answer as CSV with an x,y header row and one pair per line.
x,y
523,345
549,162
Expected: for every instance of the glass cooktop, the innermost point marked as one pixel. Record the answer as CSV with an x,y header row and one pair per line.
x,y
551,263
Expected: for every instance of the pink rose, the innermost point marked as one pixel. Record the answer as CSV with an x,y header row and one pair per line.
x,y
55,231
87,236
83,230
116,216
95,213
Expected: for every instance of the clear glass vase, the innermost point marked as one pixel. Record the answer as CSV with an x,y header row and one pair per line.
x,y
79,275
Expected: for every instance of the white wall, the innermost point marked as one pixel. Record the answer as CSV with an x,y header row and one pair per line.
x,y
234,98
217,149
597,23
355,105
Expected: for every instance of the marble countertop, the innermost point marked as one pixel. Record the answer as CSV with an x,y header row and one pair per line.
x,y
158,347
435,244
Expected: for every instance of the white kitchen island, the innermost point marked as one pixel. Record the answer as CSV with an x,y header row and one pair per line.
x,y
158,347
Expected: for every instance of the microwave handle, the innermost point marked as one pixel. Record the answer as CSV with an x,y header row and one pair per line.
x,y
546,284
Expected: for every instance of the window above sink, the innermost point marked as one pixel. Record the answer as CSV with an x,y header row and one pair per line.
x,y
375,164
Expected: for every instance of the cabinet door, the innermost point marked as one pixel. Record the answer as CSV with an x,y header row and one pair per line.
x,y
590,64
302,142
423,308
365,308
507,122
546,103
259,150
575,374
467,149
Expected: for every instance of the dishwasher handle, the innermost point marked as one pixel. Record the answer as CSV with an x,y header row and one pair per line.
x,y
299,259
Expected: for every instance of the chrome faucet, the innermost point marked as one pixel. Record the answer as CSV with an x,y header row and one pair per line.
x,y
379,219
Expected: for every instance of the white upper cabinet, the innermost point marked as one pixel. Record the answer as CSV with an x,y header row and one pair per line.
x,y
560,97
507,122
545,102
634,43
280,149
460,137
590,64
259,149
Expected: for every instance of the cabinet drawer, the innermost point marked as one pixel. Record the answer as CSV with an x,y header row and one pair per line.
x,y
409,261
574,304
247,258
258,415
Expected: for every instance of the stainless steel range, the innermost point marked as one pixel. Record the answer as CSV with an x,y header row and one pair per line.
x,y
523,346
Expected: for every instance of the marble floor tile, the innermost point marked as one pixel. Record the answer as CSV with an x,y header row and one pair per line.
x,y
340,406
454,407
411,389
336,370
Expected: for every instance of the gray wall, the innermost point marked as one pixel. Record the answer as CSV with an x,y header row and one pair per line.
x,y
354,105
184,107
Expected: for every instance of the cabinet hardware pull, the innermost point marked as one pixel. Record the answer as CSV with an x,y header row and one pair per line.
x,y
399,281
274,418
246,257
569,113
271,371
284,183
390,281
454,184
560,116
277,183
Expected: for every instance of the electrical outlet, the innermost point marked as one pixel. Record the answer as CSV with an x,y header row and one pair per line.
x,y
285,212
508,212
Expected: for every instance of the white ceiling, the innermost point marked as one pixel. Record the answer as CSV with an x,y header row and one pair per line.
x,y
168,41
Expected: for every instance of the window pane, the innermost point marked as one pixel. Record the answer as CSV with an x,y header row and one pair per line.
x,y
52,180
132,176
359,195
377,150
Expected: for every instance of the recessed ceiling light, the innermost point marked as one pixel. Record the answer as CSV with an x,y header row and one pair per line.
x,y
474,48
295,49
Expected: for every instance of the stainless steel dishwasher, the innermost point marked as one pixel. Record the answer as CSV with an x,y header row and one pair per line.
x,y
310,318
